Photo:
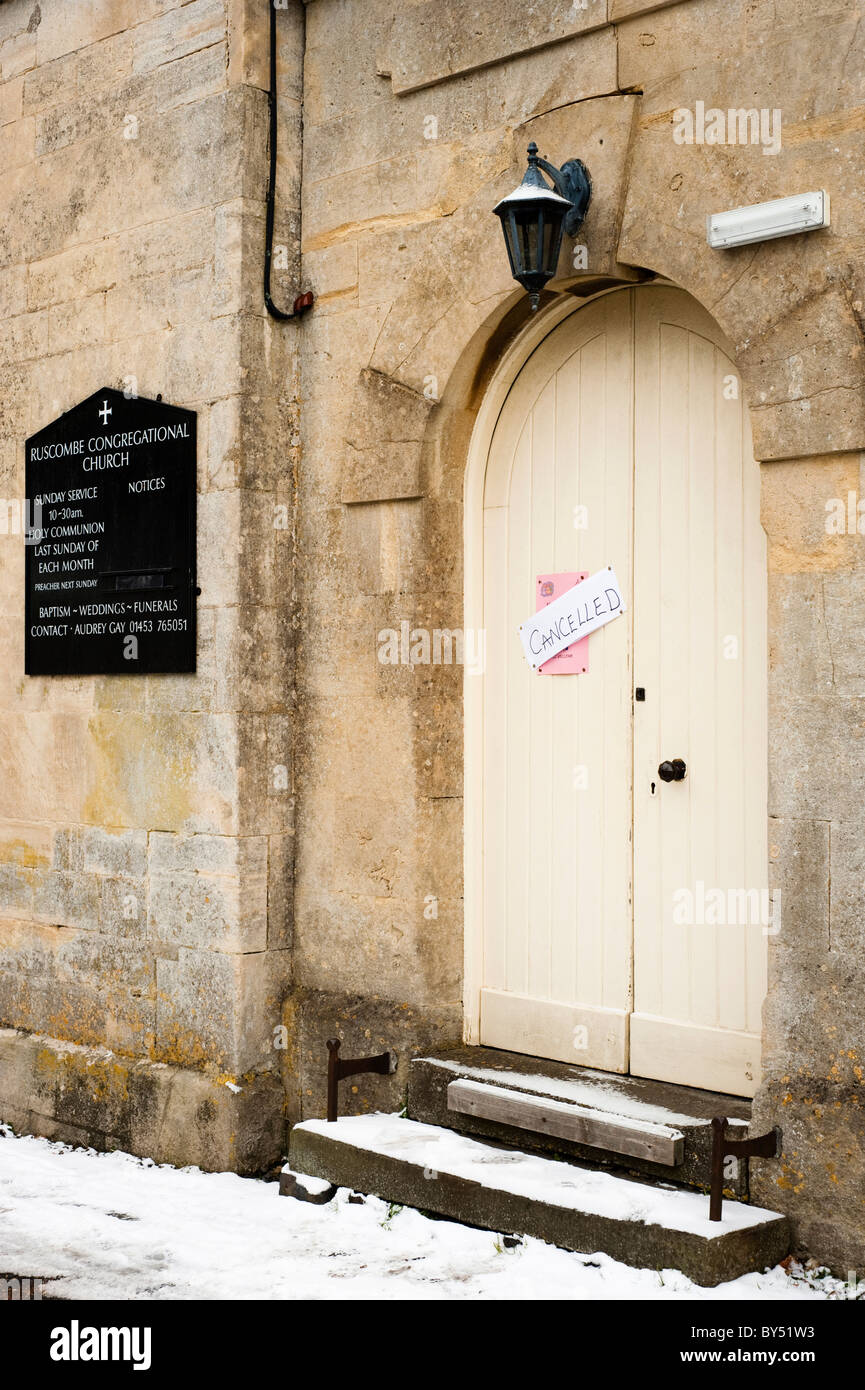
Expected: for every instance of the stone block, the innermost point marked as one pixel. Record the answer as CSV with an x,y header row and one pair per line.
x,y
846,927
107,851
17,55
155,303
16,890
627,9
431,42
77,273
799,649
123,907
375,836
64,29
102,1100
206,854
87,198
806,749
266,764
663,40
753,289
13,291
803,379
191,79
348,940
333,271
337,206
50,84
26,339
66,899
30,846
32,745
799,878
18,143
197,910
219,1009
77,323
658,40
280,891
170,244
177,33
365,1025
202,356
16,19
385,542
11,99
82,985
105,63
175,771
248,43
803,503
332,87
383,454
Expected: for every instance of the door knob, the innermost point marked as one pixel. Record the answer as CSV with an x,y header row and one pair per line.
x,y
672,772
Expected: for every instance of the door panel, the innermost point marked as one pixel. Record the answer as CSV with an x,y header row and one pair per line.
x,y
700,867
557,860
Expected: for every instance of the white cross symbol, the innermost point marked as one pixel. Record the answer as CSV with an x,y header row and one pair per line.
x,y
105,412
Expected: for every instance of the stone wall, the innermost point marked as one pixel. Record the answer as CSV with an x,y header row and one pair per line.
x,y
146,822
815,1013
407,147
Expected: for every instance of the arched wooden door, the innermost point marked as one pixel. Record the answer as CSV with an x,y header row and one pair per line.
x,y
617,911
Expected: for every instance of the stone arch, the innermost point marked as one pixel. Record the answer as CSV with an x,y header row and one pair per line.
x,y
787,307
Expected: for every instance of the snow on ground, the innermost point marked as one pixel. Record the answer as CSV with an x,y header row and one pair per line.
x,y
110,1226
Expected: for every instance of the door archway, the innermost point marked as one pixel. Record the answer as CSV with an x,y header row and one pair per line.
x,y
612,919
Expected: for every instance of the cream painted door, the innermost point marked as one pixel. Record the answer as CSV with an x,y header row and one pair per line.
x,y
557,749
618,443
700,851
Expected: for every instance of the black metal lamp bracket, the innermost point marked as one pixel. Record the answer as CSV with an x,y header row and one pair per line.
x,y
572,182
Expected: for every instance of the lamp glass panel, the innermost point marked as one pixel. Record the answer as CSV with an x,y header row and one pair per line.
x,y
512,241
530,242
551,238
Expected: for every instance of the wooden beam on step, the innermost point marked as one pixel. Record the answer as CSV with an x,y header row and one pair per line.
x,y
565,1120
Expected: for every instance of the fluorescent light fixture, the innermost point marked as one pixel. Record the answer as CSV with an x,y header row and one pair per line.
x,y
763,221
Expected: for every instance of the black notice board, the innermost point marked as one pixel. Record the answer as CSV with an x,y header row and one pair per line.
x,y
110,545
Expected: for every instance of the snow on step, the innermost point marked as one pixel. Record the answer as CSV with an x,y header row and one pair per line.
x,y
593,1089
444,1151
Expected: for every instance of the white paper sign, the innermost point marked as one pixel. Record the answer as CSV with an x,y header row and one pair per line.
x,y
583,609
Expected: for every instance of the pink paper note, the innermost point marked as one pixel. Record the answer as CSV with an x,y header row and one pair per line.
x,y
574,660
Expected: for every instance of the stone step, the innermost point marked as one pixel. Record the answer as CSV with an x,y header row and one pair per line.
x,y
624,1122
502,1189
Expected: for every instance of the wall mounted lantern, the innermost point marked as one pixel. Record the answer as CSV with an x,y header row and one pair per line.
x,y
535,216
